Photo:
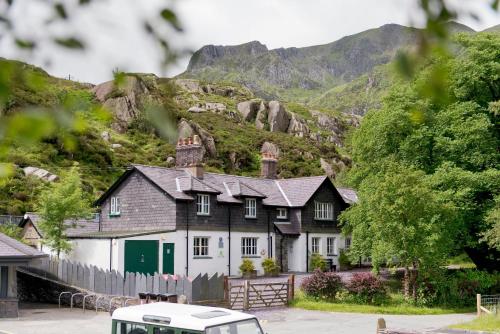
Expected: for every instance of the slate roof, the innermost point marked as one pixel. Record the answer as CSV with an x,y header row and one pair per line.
x,y
293,192
287,229
75,228
12,249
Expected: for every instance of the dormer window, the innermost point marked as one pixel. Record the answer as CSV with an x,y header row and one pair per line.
x,y
114,208
323,211
282,213
203,204
250,208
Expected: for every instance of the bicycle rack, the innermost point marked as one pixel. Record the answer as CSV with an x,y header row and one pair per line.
x,y
111,302
61,294
74,295
85,298
97,302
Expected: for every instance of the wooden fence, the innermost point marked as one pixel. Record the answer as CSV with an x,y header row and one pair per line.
x,y
201,289
489,304
252,295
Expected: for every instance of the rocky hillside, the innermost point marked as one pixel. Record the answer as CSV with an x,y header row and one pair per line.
x,y
303,74
232,122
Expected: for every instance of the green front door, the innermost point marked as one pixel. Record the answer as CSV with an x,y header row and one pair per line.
x,y
141,256
168,258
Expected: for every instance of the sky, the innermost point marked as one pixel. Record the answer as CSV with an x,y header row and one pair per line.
x,y
115,39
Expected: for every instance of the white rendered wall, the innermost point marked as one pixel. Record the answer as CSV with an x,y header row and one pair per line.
x,y
90,251
297,260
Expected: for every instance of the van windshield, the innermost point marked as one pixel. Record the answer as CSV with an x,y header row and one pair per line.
x,y
240,327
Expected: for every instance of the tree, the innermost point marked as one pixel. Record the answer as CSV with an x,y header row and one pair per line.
x,y
60,203
492,236
454,140
400,221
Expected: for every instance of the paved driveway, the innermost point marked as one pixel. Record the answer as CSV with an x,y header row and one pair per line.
x,y
49,320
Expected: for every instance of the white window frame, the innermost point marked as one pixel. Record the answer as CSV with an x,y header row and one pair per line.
x,y
203,205
347,243
249,246
323,210
200,246
316,245
282,213
114,206
331,246
250,208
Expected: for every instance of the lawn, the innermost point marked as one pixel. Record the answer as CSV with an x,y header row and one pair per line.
x,y
396,305
488,323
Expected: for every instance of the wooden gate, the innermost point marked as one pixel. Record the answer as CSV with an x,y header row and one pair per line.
x,y
250,295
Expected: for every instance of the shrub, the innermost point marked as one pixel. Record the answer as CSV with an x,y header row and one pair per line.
x,y
344,261
247,266
318,262
366,288
270,267
322,285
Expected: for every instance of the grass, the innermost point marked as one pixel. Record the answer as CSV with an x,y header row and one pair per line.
x,y
461,261
396,305
488,323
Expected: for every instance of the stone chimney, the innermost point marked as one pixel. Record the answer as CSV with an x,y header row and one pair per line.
x,y
189,155
269,166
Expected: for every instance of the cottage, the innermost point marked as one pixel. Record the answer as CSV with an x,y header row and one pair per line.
x,y
185,220
12,254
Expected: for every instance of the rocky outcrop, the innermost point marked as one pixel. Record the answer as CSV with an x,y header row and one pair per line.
x,y
332,167
208,106
250,109
188,128
277,117
123,101
40,173
297,126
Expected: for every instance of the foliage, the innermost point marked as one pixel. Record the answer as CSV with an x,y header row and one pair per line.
x,y
317,262
456,288
447,144
492,235
366,288
59,203
270,266
11,230
322,285
247,267
344,260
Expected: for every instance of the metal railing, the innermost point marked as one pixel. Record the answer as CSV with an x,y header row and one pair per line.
x,y
489,304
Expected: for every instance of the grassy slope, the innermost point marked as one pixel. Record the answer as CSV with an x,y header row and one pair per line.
x,y
101,165
488,323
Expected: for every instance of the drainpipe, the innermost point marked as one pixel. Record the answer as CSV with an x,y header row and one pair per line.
x,y
187,238
269,246
229,240
307,251
110,254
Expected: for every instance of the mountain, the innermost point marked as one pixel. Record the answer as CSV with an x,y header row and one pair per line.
x,y
493,29
233,124
303,74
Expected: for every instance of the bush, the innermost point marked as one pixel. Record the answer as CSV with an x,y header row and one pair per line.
x,y
344,261
322,285
271,267
366,288
318,262
247,267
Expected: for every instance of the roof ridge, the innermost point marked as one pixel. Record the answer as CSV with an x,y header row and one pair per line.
x,y
252,188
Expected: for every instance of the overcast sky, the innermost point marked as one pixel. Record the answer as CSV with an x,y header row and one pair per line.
x,y
115,38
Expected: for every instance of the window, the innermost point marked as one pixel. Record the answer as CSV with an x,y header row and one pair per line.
x,y
114,209
347,243
323,211
331,248
315,245
200,246
250,208
239,327
129,328
282,213
249,246
203,204
162,330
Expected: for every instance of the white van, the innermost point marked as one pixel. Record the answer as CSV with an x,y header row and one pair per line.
x,y
170,318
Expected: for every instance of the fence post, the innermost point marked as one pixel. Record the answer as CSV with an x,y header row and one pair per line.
x,y
478,304
291,287
226,289
246,293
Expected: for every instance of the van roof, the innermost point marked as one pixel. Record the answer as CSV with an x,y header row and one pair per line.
x,y
183,316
